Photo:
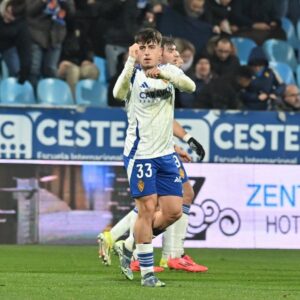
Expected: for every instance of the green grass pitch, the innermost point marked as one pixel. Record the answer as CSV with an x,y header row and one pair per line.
x,y
74,272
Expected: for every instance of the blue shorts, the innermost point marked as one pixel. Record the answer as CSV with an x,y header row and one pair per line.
x,y
181,168
153,176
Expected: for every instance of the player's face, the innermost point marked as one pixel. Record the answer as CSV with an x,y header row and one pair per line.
x,y
149,55
169,55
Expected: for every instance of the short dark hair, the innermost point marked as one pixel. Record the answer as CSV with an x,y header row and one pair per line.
x,y
148,35
244,72
167,41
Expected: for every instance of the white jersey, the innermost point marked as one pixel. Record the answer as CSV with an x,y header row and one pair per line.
x,y
150,112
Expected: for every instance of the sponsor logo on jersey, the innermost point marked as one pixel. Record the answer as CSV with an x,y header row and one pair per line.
x,y
156,94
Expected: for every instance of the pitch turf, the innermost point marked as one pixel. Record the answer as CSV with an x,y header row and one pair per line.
x,y
74,272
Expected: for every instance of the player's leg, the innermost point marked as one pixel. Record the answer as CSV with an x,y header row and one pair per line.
x,y
169,189
107,239
173,238
142,180
178,260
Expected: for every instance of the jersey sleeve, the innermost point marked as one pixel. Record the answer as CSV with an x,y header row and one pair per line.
x,y
177,77
123,84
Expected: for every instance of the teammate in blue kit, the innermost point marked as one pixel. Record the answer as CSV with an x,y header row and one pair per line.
x,y
148,155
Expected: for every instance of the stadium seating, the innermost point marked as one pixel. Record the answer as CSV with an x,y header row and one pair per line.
x,y
298,75
54,92
298,29
290,32
284,71
243,47
101,64
281,51
4,70
91,92
11,92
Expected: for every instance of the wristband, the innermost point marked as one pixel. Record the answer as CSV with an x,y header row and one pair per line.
x,y
187,137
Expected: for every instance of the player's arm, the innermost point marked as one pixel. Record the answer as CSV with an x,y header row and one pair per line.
x,y
179,132
175,76
122,86
184,156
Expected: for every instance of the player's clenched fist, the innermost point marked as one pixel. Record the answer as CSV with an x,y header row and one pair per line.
x,y
153,73
133,50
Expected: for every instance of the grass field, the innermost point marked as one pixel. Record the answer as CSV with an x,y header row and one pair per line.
x,y
74,272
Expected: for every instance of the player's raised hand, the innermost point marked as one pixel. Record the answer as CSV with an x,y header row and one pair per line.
x,y
133,50
153,73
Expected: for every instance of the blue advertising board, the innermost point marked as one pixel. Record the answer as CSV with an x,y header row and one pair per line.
x,y
97,134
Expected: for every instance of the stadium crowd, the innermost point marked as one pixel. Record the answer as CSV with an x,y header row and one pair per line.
x,y
61,39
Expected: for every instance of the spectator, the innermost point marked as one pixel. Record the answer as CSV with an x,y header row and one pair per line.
x,y
14,38
202,76
257,19
186,19
220,11
265,87
224,92
77,57
47,28
187,52
122,58
290,100
117,24
224,60
87,13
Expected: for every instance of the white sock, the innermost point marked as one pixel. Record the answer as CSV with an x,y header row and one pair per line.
x,y
174,236
122,226
146,259
167,242
129,242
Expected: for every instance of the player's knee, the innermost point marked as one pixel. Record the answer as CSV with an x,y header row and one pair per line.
x,y
174,216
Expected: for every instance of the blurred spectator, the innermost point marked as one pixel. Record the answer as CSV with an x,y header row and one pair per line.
x,y
265,87
203,72
77,57
220,15
121,60
224,92
117,23
87,14
257,19
186,19
202,76
46,21
291,99
187,53
224,60
14,38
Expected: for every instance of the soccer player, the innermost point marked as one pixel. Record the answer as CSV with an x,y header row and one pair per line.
x,y
173,255
148,155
